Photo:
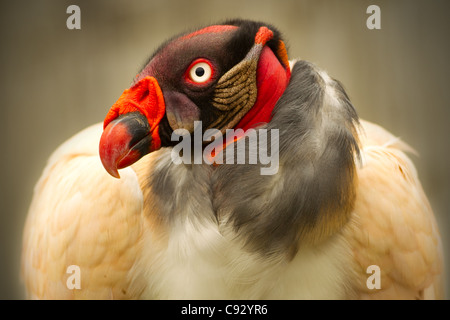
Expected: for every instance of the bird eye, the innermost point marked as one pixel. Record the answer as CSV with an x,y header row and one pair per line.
x,y
200,71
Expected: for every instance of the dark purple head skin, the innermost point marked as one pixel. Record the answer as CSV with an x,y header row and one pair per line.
x,y
224,45
177,55
182,98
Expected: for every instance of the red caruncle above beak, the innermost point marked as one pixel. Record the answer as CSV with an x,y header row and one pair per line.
x,y
131,127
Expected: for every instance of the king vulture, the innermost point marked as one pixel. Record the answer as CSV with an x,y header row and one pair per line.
x,y
342,216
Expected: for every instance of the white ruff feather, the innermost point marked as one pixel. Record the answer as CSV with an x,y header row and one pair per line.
x,y
199,263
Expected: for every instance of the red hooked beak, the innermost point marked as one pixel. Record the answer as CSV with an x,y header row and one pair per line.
x,y
131,127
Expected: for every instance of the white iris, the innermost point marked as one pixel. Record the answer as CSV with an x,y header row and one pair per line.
x,y
200,72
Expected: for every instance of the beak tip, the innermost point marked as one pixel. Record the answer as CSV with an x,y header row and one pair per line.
x,y
109,166
107,157
123,142
113,172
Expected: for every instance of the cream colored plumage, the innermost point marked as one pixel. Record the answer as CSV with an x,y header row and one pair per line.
x,y
167,231
399,232
95,222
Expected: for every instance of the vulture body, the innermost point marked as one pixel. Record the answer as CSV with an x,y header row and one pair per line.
x,y
344,198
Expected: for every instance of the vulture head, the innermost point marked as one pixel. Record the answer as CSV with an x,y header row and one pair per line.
x,y
226,76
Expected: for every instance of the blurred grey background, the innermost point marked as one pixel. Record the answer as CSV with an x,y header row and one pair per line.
x,y
55,81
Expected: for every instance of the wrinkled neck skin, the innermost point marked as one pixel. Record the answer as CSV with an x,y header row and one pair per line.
x,y
272,80
308,200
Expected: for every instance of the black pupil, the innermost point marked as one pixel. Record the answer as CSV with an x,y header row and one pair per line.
x,y
199,72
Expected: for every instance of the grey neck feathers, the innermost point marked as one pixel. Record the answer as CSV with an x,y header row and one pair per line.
x,y
312,195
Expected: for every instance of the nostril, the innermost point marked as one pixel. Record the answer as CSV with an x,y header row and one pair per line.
x,y
144,95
